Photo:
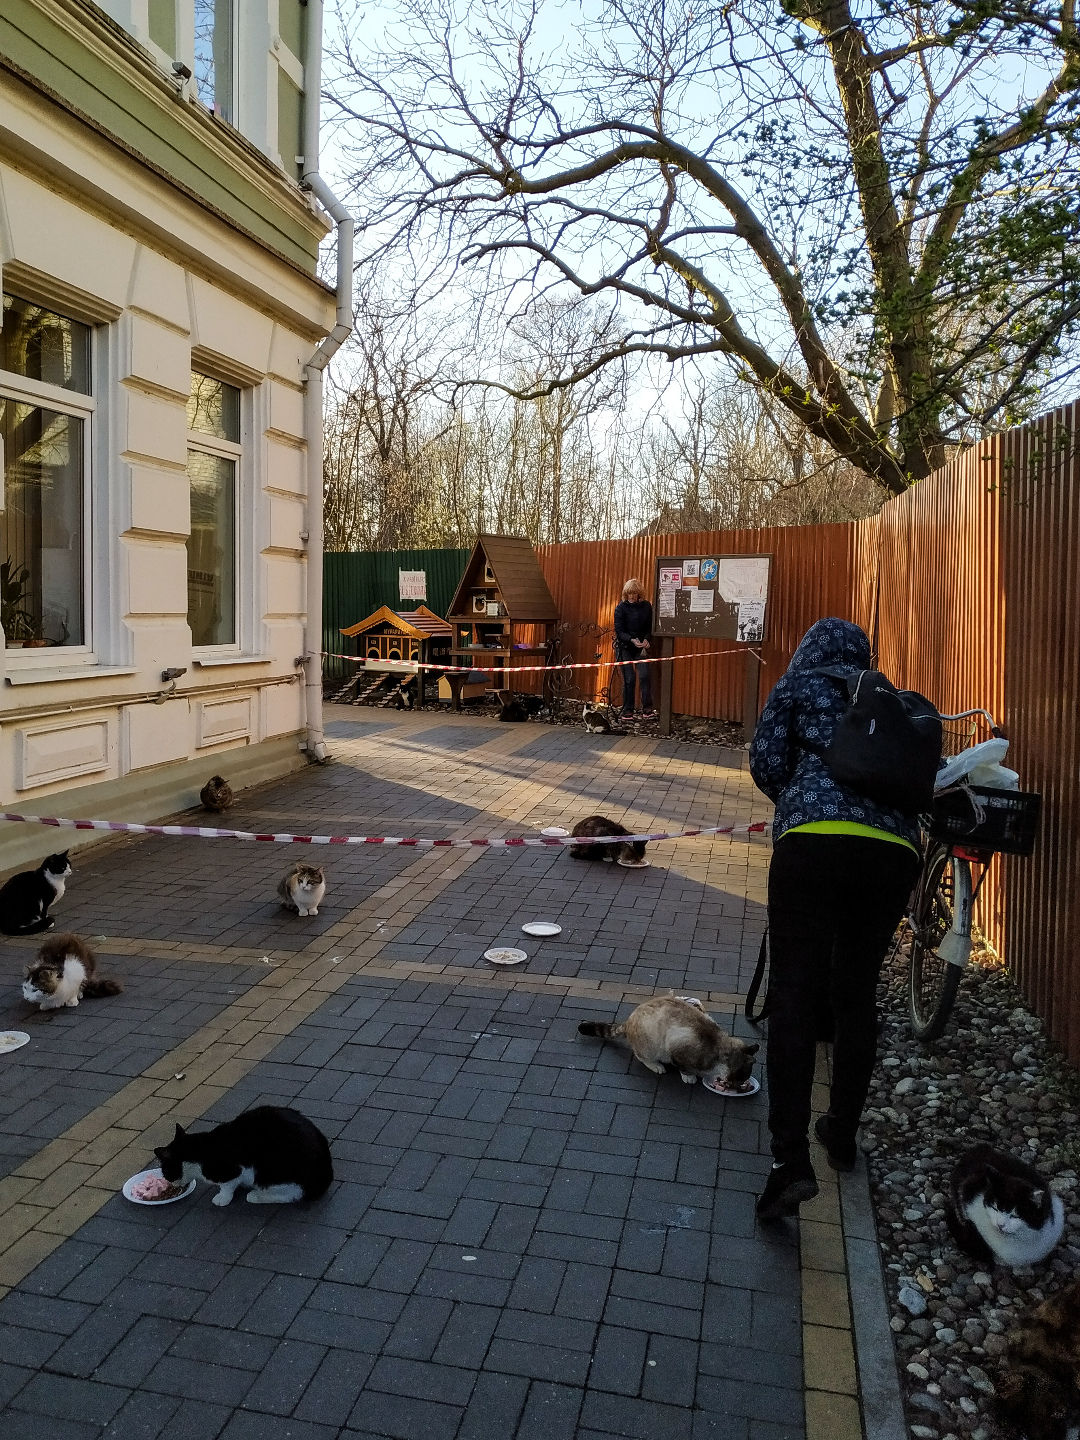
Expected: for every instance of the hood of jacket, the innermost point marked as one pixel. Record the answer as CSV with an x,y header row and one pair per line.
x,y
831,642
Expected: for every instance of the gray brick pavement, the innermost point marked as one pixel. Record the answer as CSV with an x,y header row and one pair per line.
x,y
529,1235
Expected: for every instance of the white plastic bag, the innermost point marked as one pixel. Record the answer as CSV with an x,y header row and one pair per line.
x,y
986,757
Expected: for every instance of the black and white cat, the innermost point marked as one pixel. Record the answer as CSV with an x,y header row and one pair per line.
x,y
25,899
276,1154
1001,1209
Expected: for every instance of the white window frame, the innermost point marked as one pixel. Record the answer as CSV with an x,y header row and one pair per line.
x,y
239,454
188,34
83,407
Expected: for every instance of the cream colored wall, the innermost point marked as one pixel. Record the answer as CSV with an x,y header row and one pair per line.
x,y
155,316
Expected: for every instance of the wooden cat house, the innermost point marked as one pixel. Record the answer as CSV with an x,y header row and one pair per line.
x,y
503,614
397,642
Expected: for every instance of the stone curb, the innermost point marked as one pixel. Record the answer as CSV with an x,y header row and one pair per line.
x,y
879,1382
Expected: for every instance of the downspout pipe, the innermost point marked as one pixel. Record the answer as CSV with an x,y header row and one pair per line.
x,y
314,183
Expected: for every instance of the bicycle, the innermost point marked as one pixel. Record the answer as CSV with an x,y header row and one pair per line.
x,y
960,833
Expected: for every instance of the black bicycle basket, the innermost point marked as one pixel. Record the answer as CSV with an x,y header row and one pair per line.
x,y
1005,820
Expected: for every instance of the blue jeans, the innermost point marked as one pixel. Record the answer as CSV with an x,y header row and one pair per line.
x,y
644,675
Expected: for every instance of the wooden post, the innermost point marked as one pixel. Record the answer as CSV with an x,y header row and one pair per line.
x,y
667,647
750,699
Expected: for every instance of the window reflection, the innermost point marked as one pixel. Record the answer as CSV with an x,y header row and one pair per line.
x,y
214,56
41,345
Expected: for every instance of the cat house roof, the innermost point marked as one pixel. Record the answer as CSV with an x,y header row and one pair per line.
x,y
518,579
418,624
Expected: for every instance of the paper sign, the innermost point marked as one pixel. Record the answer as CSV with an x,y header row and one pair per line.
x,y
666,603
751,620
412,584
743,579
670,579
701,600
689,570
708,571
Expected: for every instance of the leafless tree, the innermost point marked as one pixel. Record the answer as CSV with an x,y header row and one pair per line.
x,y
872,215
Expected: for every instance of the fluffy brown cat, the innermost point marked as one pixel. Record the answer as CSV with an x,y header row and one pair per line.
x,y
1039,1392
668,1030
64,973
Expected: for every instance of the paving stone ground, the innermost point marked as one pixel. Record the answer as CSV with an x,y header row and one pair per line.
x,y
529,1237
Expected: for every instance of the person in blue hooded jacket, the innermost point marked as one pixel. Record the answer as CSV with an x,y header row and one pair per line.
x,y
842,870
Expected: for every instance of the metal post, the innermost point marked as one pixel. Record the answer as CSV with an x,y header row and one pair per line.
x,y
750,698
667,647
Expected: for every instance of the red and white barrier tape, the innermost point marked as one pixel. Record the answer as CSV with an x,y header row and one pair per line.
x,y
532,669
204,832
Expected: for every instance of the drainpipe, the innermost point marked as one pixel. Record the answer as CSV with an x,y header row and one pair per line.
x,y
313,378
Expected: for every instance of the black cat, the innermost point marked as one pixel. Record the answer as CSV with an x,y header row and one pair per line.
x,y
25,899
275,1153
514,711
631,853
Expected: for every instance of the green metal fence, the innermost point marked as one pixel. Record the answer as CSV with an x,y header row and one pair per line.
x,y
358,582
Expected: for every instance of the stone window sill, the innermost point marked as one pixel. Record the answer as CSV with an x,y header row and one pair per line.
x,y
35,675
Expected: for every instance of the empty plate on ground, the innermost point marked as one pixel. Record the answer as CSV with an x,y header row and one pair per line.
x,y
13,1040
553,831
541,927
129,1187
633,864
505,955
739,1092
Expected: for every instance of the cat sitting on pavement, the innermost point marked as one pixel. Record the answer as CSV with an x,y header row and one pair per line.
x,y
26,898
302,889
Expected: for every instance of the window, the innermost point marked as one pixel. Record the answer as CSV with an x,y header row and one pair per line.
x,y
45,417
213,460
214,68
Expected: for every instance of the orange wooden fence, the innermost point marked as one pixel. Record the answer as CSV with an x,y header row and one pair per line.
x,y
969,586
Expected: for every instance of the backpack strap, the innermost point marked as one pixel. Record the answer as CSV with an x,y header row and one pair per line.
x,y
755,985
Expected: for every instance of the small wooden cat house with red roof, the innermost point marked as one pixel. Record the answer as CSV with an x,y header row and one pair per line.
x,y
503,613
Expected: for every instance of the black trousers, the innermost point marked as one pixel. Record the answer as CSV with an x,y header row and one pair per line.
x,y
834,902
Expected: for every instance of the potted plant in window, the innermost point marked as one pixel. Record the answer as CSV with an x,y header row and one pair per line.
x,y
15,618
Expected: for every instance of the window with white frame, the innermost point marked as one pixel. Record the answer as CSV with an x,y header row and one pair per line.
x,y
215,56
214,454
46,414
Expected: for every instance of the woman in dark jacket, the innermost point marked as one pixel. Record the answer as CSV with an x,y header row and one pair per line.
x,y
633,624
841,873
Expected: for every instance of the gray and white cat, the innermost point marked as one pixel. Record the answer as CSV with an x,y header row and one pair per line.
x,y
670,1030
302,888
1001,1209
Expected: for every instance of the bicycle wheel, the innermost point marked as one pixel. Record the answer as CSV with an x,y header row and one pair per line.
x,y
944,892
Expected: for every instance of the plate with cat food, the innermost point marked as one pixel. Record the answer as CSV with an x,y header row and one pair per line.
x,y
732,1092
13,1040
505,955
634,864
150,1187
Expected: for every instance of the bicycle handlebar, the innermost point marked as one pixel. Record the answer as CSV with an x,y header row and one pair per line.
x,y
995,729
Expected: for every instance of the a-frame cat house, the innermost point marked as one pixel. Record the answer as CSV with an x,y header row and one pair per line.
x,y
503,610
397,642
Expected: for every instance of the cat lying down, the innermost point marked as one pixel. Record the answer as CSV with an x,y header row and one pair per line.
x,y
64,973
668,1030
1001,1209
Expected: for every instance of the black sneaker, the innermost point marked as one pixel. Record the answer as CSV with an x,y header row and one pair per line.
x,y
841,1153
786,1189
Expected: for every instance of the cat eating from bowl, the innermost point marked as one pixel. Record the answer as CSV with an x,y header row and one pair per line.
x,y
671,1030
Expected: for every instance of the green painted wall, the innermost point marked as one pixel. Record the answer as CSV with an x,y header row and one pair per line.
x,y
290,102
356,583
292,26
162,21
152,126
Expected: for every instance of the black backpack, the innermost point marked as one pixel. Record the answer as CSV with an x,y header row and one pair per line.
x,y
887,743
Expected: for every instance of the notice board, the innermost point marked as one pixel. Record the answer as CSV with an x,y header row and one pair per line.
x,y
714,597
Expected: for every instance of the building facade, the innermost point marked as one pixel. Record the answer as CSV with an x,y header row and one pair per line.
x,y
160,309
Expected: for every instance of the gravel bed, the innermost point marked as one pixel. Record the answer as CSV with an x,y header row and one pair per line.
x,y
993,1076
